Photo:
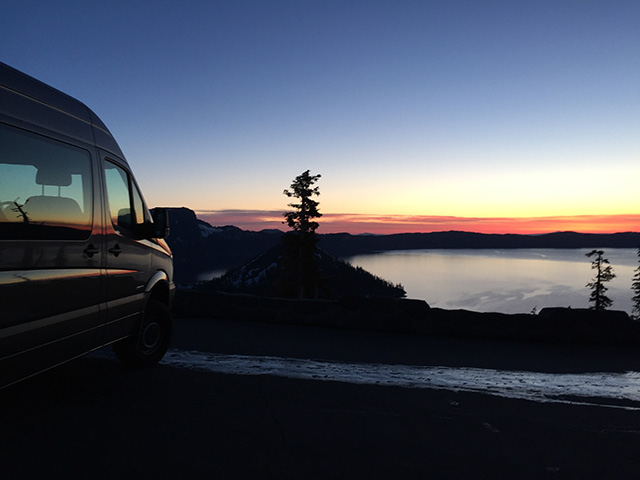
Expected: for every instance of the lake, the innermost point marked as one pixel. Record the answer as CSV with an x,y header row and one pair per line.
x,y
508,281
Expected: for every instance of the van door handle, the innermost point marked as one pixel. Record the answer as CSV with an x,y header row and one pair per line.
x,y
91,250
116,250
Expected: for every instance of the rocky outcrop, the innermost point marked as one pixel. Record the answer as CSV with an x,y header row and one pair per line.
x,y
199,247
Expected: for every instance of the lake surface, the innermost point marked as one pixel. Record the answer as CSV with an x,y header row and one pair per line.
x,y
508,281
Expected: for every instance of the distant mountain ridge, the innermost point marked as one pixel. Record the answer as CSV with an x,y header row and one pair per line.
x,y
344,244
200,247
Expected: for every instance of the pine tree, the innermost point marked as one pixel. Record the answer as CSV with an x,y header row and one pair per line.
x,y
301,219
299,259
604,273
635,286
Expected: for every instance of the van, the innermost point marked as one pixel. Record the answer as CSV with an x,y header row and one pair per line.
x,y
83,263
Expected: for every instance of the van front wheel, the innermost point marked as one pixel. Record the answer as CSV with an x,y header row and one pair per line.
x,y
152,341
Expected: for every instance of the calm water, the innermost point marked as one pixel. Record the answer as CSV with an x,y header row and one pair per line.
x,y
509,281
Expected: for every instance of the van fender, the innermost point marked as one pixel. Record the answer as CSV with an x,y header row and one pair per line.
x,y
160,277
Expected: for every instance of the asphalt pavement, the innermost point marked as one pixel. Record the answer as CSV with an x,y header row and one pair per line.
x,y
92,418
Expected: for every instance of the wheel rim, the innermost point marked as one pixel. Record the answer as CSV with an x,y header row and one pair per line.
x,y
151,337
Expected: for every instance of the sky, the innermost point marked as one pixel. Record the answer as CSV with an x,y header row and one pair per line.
x,y
488,116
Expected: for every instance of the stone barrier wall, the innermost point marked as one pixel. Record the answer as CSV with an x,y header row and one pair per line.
x,y
416,317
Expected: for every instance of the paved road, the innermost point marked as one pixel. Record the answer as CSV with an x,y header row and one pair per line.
x,y
93,419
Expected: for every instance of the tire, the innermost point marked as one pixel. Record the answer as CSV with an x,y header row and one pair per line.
x,y
152,341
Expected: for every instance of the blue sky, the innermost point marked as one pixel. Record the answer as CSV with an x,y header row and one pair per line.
x,y
470,109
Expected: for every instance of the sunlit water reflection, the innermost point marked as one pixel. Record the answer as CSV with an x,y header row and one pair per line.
x,y
509,281
616,390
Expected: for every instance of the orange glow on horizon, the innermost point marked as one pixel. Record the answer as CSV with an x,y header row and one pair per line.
x,y
256,220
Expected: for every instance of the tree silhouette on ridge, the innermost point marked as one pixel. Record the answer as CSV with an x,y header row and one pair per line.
x,y
604,273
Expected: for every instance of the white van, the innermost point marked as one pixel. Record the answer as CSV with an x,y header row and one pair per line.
x,y
82,260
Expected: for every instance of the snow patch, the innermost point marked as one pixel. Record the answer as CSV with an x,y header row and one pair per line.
x,y
208,230
603,389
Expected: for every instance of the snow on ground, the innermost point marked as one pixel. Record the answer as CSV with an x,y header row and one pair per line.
x,y
616,390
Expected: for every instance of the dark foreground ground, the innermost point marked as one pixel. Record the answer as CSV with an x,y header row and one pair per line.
x,y
93,419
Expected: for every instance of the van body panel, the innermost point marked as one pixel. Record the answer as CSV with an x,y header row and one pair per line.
x,y
25,108
36,293
28,99
23,85
74,275
46,355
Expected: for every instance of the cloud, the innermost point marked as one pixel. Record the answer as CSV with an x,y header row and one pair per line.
x,y
356,223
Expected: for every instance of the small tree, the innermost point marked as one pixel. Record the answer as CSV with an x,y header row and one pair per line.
x,y
301,219
604,273
635,286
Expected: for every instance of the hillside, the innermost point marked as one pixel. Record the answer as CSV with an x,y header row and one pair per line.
x,y
268,276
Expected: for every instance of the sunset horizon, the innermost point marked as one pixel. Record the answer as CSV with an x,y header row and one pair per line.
x,y
358,224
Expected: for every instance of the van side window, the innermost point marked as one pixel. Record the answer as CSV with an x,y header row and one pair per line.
x,y
126,208
45,188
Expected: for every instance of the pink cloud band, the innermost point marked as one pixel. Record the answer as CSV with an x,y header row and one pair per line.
x,y
256,220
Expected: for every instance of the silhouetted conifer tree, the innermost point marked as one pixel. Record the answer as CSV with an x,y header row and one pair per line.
x,y
635,286
299,263
604,273
301,219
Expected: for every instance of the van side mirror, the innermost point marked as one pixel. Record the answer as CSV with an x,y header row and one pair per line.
x,y
160,226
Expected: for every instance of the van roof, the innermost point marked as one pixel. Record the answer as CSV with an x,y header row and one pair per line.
x,y
52,109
